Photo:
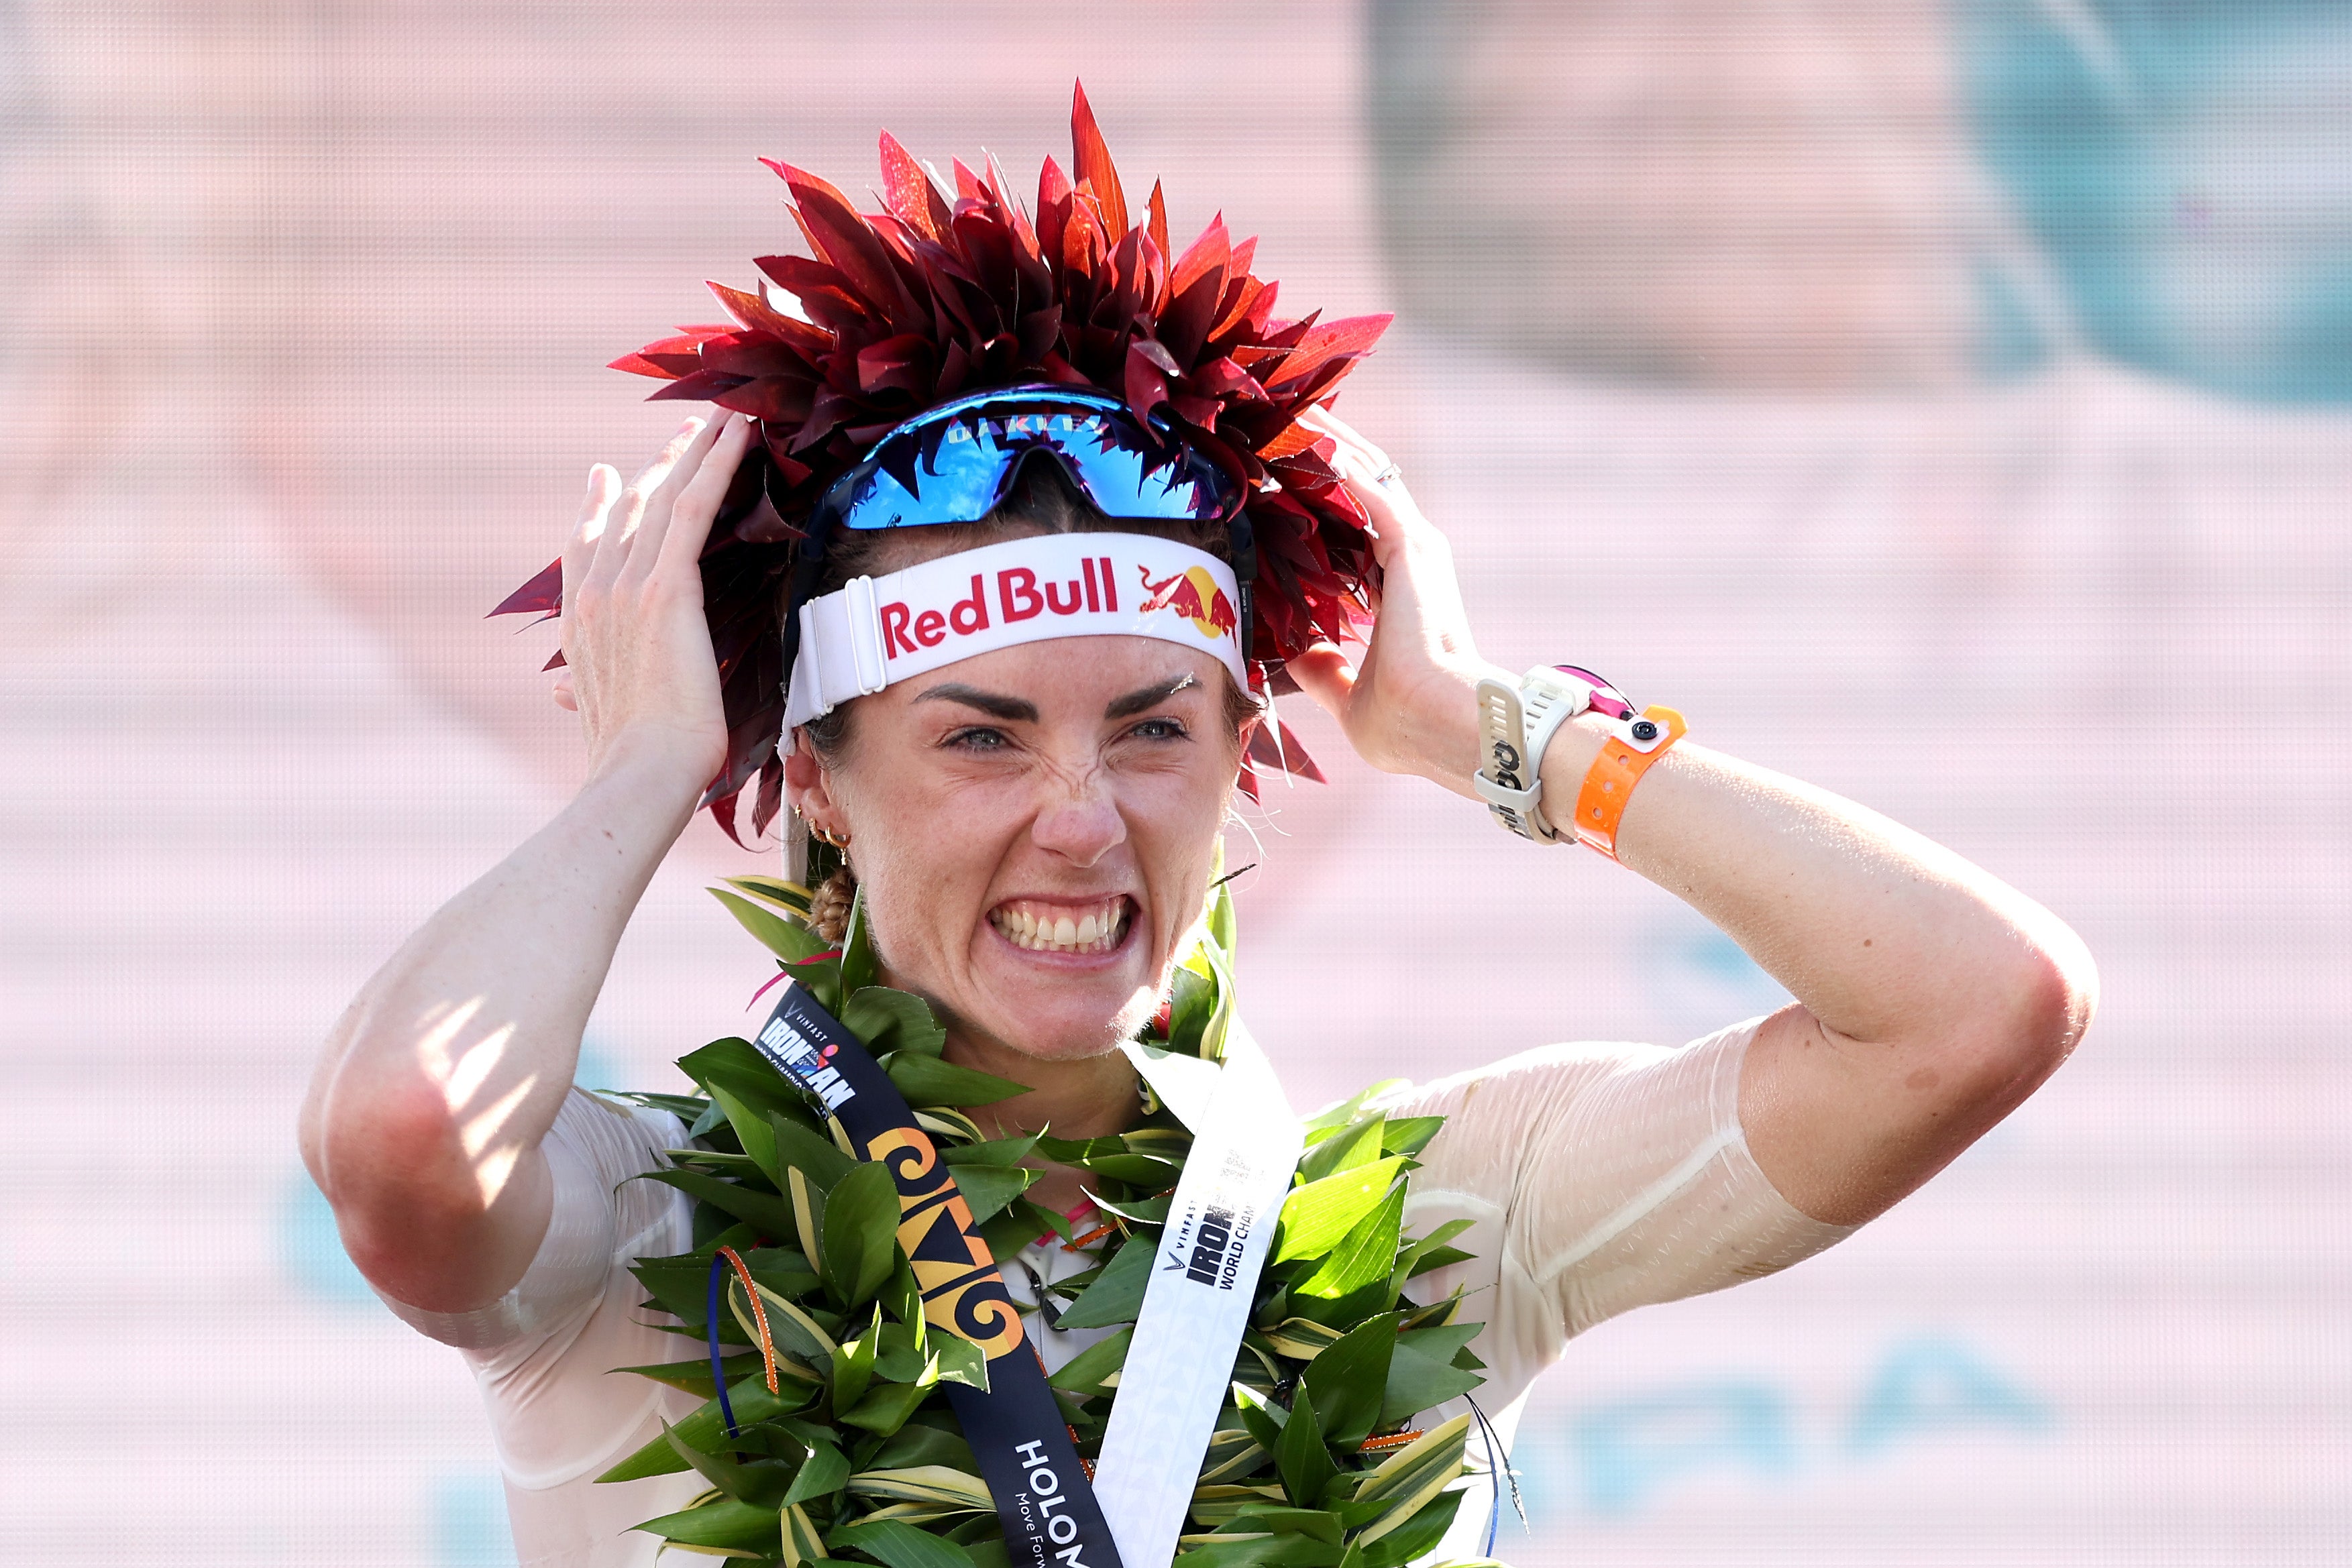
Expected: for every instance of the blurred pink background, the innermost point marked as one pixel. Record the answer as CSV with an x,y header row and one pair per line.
x,y
1743,358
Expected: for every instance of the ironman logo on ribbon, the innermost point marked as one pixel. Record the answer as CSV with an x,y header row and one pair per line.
x,y
877,631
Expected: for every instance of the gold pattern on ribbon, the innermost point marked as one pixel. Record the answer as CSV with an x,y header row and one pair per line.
x,y
962,1292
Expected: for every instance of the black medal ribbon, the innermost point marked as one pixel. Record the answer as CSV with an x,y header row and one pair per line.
x,y
1044,1498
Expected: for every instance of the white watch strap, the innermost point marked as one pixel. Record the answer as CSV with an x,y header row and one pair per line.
x,y
1514,725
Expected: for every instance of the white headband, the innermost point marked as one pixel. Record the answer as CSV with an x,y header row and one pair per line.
x,y
881,629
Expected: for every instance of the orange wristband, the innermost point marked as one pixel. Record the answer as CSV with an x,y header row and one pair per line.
x,y
1609,783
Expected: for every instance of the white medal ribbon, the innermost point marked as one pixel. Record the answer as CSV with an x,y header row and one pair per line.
x,y
1245,1144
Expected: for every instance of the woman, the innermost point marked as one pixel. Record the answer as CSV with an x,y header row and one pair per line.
x,y
1033,827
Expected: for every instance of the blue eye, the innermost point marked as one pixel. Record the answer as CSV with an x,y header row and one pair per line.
x,y
979,739
1160,729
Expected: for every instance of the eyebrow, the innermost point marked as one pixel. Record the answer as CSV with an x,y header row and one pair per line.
x,y
1149,696
1018,710
1013,709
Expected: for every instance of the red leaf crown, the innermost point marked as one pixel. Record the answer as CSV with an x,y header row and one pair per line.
x,y
930,298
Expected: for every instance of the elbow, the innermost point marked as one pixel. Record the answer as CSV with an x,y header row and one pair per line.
x,y
2038,1005
391,1160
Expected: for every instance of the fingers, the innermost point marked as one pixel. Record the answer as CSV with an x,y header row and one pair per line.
x,y
595,513
687,528
1394,517
1319,418
616,542
1324,673
662,503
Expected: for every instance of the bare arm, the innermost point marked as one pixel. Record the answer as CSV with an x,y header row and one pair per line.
x,y
430,1099
1931,998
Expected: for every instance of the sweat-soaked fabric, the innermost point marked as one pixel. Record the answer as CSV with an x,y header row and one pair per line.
x,y
1597,1177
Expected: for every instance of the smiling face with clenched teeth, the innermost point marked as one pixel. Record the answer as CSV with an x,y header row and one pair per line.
x,y
1033,831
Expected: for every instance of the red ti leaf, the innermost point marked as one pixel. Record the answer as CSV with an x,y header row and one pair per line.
x,y
543,594
1328,341
1092,161
905,186
842,239
1158,220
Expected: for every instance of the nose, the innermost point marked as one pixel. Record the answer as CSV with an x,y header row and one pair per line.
x,y
1081,825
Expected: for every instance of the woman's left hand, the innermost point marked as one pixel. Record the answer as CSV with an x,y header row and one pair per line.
x,y
1410,703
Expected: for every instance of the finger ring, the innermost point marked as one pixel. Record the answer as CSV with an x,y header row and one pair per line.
x,y
1387,476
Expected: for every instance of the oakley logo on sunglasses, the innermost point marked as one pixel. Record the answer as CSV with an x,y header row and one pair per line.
x,y
1020,425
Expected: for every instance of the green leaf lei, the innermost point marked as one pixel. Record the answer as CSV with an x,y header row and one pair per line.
x,y
859,1456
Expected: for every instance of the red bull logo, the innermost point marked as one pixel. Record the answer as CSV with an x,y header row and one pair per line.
x,y
1194,594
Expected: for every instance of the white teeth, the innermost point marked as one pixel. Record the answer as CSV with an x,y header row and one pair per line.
x,y
1098,930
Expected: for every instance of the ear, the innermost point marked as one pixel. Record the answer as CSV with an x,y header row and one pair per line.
x,y
808,786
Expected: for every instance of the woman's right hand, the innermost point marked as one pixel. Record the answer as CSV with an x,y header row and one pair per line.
x,y
638,661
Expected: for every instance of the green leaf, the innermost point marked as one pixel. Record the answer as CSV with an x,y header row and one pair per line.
x,y
736,1056
1191,998
928,1081
1021,1223
771,1215
810,1151
988,1189
1347,1380
704,1428
1116,1294
1408,1479
995,1152
960,1361
789,896
1300,1456
1410,1135
1421,1376
822,1474
1261,1417
1344,1150
1140,1211
924,1483
1221,924
1313,1523
861,1233
799,1543
786,940
888,1020
794,1328
853,1364
1258,1551
1417,1536
925,1441
1363,1257
725,1523
1085,1372
857,967
1316,1216
760,1484
899,1545
884,1408
693,1376
1300,1339
899,1359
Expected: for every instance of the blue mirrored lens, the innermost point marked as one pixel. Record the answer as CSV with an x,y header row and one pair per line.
x,y
955,464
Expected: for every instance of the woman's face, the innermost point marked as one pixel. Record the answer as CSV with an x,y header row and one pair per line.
x,y
1033,831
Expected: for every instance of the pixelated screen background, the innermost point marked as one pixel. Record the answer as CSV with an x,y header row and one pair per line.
x,y
1944,404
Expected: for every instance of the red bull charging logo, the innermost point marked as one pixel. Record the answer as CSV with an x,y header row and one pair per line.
x,y
1194,594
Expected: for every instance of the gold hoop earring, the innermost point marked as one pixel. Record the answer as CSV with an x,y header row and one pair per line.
x,y
839,842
